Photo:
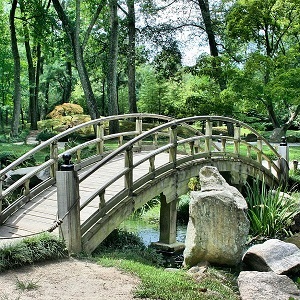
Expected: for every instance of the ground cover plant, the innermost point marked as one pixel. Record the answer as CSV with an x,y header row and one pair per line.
x,y
129,254
32,249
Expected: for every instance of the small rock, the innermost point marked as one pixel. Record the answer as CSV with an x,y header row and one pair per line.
x,y
255,285
273,255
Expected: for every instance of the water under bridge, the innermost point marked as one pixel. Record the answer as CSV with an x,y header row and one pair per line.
x,y
112,175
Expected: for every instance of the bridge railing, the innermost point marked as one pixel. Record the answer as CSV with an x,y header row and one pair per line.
x,y
207,146
22,190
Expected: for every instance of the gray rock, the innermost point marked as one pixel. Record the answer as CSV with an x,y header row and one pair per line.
x,y
218,226
274,255
266,286
14,175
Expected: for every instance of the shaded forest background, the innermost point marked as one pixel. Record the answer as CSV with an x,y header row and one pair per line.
x,y
114,57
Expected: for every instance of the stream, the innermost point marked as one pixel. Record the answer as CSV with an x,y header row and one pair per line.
x,y
150,232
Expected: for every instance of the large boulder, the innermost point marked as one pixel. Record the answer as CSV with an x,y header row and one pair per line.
x,y
273,255
218,225
266,286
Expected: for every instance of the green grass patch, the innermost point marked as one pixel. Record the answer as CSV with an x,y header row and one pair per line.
x,y
17,151
158,283
33,249
126,252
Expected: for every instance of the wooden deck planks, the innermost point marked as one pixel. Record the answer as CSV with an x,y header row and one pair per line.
x,y
38,214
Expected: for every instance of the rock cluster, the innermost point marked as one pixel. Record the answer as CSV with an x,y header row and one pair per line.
x,y
271,263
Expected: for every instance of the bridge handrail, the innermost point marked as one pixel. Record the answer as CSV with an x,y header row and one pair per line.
x,y
73,130
134,141
54,156
164,148
175,123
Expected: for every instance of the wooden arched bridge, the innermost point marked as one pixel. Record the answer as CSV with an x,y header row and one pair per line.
x,y
155,155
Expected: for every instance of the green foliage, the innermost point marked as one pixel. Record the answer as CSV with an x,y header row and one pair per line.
x,y
157,283
30,250
26,285
128,245
183,209
7,157
194,184
46,135
149,205
270,213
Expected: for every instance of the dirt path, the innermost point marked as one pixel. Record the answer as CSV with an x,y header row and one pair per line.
x,y
65,280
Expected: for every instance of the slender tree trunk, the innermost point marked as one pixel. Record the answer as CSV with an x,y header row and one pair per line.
x,y
112,66
131,57
37,86
17,71
68,84
32,111
73,36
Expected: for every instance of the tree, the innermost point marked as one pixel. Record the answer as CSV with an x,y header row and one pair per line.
x,y
72,30
112,65
17,71
131,56
269,29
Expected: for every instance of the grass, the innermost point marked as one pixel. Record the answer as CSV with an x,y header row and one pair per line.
x,y
26,285
157,282
38,248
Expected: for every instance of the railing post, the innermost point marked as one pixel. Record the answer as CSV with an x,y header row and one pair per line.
x,y
259,147
237,138
283,150
129,174
139,129
173,141
155,139
69,205
100,136
54,156
208,134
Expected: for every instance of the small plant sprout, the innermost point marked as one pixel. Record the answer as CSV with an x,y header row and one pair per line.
x,y
26,285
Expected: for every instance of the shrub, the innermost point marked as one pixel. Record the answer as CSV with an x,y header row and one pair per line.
x,y
127,244
7,157
270,214
30,250
183,209
45,135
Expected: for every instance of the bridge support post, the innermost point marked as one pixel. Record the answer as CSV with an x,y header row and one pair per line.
x,y
69,206
167,236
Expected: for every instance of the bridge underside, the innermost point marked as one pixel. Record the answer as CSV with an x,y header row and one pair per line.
x,y
172,184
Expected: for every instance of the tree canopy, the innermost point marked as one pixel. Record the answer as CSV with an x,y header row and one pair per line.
x,y
116,56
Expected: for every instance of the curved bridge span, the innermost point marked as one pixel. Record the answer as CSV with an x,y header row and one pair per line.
x,y
114,174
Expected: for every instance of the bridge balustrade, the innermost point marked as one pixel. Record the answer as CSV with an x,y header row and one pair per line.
x,y
187,149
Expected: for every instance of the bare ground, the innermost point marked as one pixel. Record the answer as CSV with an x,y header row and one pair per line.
x,y
67,279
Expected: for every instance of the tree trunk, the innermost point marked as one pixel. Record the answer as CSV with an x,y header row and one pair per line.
x,y
73,36
31,73
17,71
214,52
68,84
279,132
112,66
131,57
36,113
